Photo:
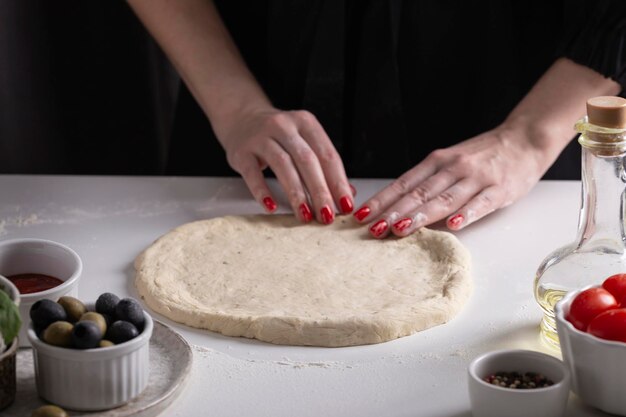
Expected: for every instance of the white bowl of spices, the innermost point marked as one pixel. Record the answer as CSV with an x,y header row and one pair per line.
x,y
518,383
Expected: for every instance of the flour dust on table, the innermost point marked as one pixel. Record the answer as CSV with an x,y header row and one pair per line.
x,y
272,278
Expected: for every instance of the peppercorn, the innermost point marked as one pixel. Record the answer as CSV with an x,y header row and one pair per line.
x,y
517,380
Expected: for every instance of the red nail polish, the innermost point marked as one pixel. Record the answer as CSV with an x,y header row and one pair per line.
x,y
402,224
270,204
379,228
362,213
346,205
305,212
327,215
456,221
353,190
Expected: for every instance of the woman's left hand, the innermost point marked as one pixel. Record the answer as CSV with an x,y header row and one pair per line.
x,y
461,183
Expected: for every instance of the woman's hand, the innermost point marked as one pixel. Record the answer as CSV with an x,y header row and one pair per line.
x,y
470,180
296,148
254,134
461,183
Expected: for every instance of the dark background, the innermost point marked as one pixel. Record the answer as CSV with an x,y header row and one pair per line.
x,y
85,90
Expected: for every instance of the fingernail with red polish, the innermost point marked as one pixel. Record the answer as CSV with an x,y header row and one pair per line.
x,y
305,212
352,189
362,213
327,215
379,228
456,221
270,204
346,205
402,224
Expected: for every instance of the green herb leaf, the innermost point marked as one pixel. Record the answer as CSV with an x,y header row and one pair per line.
x,y
10,321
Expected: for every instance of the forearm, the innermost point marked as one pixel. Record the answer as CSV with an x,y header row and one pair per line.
x,y
193,36
548,112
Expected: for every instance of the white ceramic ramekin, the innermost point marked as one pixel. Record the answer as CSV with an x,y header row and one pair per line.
x,y
39,256
92,379
492,401
598,366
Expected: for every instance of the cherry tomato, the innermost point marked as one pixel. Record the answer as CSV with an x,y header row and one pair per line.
x,y
610,325
588,304
616,285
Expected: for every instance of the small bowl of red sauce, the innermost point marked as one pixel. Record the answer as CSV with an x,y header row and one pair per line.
x,y
39,269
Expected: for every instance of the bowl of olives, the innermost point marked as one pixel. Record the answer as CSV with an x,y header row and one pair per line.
x,y
90,356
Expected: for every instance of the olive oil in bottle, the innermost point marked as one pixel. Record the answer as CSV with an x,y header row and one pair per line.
x,y
600,246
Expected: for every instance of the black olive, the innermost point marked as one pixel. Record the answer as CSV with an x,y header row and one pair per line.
x,y
86,335
129,309
121,331
106,303
108,319
44,312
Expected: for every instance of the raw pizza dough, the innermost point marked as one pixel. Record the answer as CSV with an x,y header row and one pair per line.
x,y
274,279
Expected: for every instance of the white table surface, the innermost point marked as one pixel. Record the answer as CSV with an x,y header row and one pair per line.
x,y
109,220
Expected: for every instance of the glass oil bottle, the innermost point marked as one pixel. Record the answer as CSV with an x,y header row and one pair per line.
x,y
600,246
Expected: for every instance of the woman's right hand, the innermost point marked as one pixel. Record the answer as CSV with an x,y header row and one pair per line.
x,y
296,148
254,134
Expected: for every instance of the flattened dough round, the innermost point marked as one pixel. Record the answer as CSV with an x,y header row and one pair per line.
x,y
271,278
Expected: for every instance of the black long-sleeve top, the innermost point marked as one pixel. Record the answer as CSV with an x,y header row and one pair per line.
x,y
382,76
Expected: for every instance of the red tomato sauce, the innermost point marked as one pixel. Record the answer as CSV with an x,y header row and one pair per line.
x,y
30,283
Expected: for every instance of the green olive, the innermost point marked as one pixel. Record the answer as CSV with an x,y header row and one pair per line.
x,y
73,307
59,333
106,343
49,411
96,318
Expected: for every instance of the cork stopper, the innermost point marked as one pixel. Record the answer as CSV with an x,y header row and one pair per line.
x,y
607,111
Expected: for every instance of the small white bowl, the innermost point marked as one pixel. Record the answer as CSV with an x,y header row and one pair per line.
x,y
598,366
39,256
92,379
489,400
